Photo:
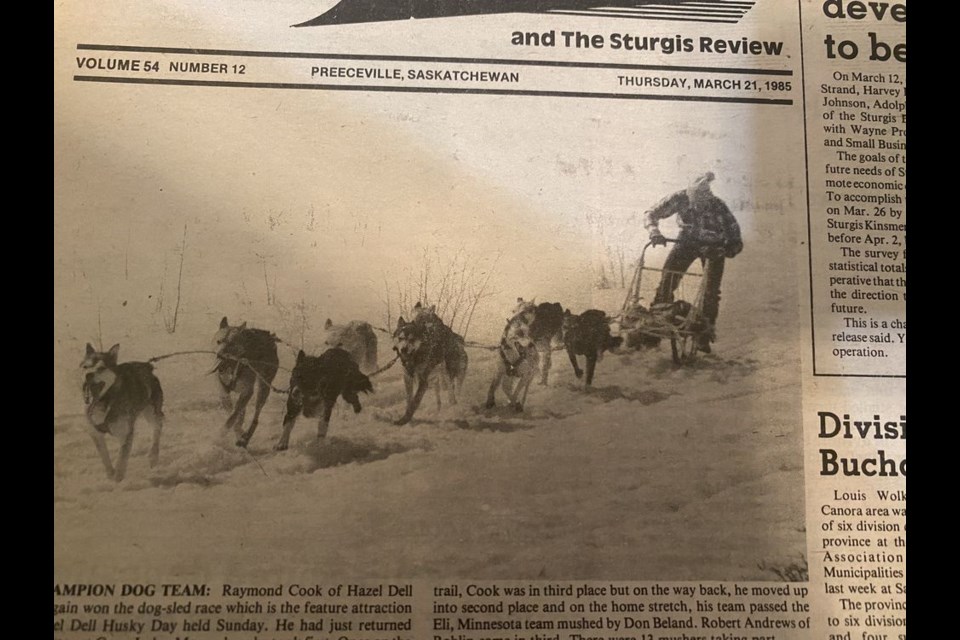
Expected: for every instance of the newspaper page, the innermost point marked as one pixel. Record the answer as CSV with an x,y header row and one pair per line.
x,y
480,319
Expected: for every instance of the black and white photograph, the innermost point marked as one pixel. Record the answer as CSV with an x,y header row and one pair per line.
x,y
380,336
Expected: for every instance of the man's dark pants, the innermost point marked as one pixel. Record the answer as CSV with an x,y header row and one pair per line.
x,y
681,257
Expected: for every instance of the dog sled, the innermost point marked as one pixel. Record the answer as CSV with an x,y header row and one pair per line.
x,y
680,320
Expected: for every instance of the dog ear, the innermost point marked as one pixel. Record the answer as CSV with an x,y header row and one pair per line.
x,y
300,356
519,300
90,349
114,352
417,306
328,323
566,312
223,323
433,308
243,326
400,322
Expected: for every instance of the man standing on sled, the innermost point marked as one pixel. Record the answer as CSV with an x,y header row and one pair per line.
x,y
707,230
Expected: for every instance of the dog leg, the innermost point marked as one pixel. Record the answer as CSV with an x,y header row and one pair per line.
x,y
573,360
408,385
508,388
591,367
451,381
325,418
239,413
544,351
491,394
440,382
462,372
294,407
263,392
101,443
414,401
226,402
124,454
512,387
524,387
157,422
155,416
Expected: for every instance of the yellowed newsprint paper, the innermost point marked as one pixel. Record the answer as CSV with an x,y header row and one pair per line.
x,y
480,320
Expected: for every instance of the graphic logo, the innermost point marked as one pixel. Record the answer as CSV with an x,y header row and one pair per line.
x,y
358,11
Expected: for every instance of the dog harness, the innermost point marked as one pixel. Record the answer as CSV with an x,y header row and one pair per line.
x,y
233,378
98,409
521,356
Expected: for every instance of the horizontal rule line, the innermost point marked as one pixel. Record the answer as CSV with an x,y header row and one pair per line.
x,y
638,16
393,58
670,11
408,89
860,375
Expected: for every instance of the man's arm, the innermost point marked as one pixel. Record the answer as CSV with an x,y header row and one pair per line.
x,y
663,209
733,242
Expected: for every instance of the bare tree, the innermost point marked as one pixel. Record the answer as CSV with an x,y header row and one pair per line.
x,y
170,322
126,253
304,323
387,305
602,281
611,265
295,319
270,288
621,262
454,284
99,325
478,293
158,305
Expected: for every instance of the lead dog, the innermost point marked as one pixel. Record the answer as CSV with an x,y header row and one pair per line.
x,y
315,385
546,327
115,395
587,335
518,363
356,338
246,362
426,345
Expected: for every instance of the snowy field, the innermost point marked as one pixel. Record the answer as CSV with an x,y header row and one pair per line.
x,y
657,472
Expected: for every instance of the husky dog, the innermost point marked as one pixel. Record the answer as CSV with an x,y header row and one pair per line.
x,y
115,395
518,363
427,316
587,335
356,338
422,344
315,385
246,362
456,355
546,327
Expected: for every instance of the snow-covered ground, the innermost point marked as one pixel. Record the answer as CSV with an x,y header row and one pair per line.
x,y
657,472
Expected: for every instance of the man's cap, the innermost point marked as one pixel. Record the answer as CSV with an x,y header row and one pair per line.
x,y
703,180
